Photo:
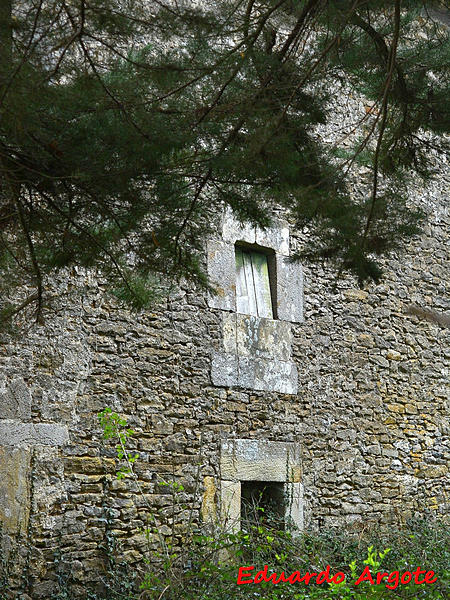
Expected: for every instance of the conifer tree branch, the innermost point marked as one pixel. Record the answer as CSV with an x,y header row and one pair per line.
x,y
197,194
34,261
17,309
111,139
315,65
7,48
384,53
93,239
385,105
250,42
248,12
307,11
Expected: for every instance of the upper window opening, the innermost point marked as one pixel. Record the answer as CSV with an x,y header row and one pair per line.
x,y
254,282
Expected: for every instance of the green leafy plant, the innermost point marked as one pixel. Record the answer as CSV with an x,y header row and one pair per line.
x,y
115,428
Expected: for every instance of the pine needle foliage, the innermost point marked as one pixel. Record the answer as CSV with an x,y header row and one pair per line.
x,y
126,126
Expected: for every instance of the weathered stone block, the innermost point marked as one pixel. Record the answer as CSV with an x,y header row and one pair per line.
x,y
258,460
251,336
14,489
356,295
15,402
233,231
222,274
224,369
294,505
85,464
230,505
13,433
230,370
289,290
208,509
275,237
160,425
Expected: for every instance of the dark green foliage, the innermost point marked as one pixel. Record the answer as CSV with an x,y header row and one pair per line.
x,y
125,127
199,573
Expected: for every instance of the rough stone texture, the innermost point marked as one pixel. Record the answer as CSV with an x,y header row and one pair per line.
x,y
289,290
370,417
294,506
222,274
248,335
15,401
209,502
230,505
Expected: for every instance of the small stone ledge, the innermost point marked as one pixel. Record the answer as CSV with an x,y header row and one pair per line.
x,y
14,433
263,374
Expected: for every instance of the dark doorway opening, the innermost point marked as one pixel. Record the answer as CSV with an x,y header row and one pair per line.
x,y
262,502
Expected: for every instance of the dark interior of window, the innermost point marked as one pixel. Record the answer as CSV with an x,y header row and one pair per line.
x,y
262,502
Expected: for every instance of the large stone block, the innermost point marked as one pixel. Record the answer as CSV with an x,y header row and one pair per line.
x,y
289,290
233,230
208,508
256,337
14,489
259,460
275,237
15,401
294,505
230,370
13,433
230,505
222,275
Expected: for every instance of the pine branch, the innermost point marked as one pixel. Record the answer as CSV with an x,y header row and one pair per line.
x,y
308,11
385,105
34,261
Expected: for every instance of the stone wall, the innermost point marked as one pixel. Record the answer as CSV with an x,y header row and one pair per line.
x,y
367,420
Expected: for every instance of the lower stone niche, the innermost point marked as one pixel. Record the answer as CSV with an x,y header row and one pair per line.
x,y
263,502
260,472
